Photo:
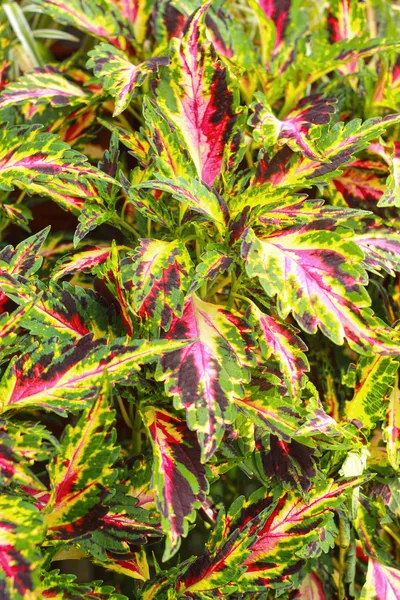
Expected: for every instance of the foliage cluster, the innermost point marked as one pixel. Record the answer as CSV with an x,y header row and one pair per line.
x,y
216,314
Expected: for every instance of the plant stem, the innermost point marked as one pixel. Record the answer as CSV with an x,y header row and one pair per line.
x,y
137,433
124,414
218,286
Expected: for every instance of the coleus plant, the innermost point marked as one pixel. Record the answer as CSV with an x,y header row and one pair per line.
x,y
199,390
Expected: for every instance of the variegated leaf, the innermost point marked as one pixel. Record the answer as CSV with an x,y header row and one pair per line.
x,y
383,583
14,466
294,531
173,160
292,463
338,145
270,412
46,85
66,378
318,276
40,163
213,263
374,378
81,473
80,262
118,75
196,96
280,340
156,277
391,431
194,195
381,247
391,196
100,18
21,532
208,375
311,588
178,476
61,586
295,128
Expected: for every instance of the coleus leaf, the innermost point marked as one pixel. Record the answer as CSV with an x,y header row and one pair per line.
x,y
66,378
118,75
196,96
207,376
146,204
338,145
278,11
133,564
383,583
81,473
21,532
270,412
100,18
369,516
311,588
295,128
178,477
173,160
318,276
361,181
156,277
391,196
212,263
292,463
25,259
270,536
40,163
280,340
46,85
110,273
197,196
80,262
14,468
294,531
373,380
391,431
9,329
381,247
62,586
66,312
346,20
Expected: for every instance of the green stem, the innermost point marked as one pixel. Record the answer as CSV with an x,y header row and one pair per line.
x,y
218,286
124,414
137,433
123,225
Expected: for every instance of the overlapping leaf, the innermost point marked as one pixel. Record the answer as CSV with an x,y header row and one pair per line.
x,y
383,583
21,532
81,473
46,85
207,376
196,96
374,378
311,588
118,75
156,277
391,431
40,163
100,18
280,340
318,276
63,378
338,145
178,476
295,128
